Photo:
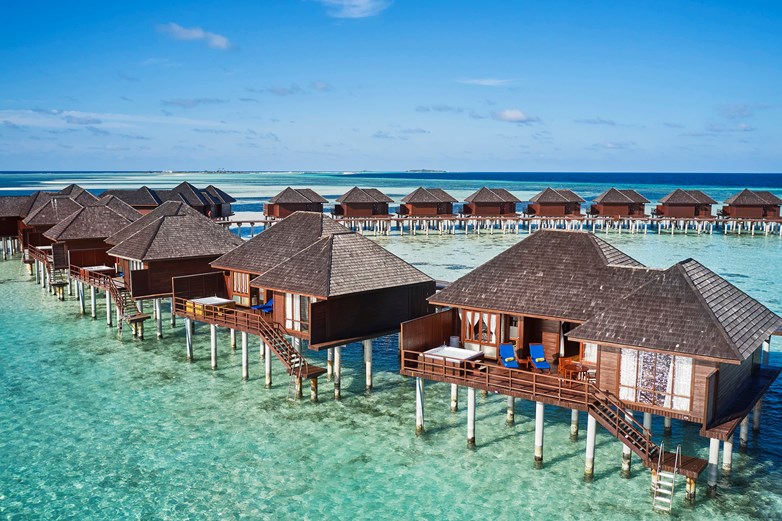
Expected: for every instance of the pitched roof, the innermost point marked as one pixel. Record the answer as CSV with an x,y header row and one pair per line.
x,y
35,200
614,196
143,196
119,206
428,195
218,194
279,242
492,195
364,195
686,309
177,237
753,198
559,274
556,195
167,208
680,196
340,264
84,198
13,205
89,222
72,190
297,195
188,193
51,212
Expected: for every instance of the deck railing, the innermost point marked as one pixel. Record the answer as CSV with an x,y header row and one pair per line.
x,y
251,322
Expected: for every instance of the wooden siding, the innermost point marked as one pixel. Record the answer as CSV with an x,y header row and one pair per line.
x,y
285,209
618,210
364,315
361,209
743,212
429,331
489,209
8,226
554,209
158,275
426,209
732,379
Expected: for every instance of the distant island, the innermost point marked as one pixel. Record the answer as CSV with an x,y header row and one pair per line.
x,y
426,171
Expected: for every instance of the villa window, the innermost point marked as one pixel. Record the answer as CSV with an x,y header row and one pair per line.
x,y
589,355
657,379
480,331
241,283
297,312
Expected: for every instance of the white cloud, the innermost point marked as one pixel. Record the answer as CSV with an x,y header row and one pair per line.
x,y
354,8
189,103
213,40
486,82
321,86
513,116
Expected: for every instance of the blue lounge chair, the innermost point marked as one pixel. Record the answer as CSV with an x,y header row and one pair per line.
x,y
265,308
508,356
537,357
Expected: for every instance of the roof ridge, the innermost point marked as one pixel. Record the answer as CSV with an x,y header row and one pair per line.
x,y
679,266
329,264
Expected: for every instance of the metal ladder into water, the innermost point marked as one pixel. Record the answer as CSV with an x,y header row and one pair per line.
x,y
664,484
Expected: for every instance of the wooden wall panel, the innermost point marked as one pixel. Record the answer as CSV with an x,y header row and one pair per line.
x,y
161,272
429,331
608,361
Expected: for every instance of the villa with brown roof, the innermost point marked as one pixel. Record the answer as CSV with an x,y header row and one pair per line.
x,y
362,202
619,203
685,204
555,202
44,216
427,202
143,199
210,201
617,336
752,204
293,200
490,202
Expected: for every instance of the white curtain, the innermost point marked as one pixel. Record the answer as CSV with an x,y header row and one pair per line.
x,y
289,311
590,353
682,383
672,376
468,324
628,374
493,328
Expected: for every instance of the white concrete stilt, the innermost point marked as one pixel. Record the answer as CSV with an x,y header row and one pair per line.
x,y
171,308
419,405
213,337
454,397
82,305
510,414
471,417
539,412
368,363
330,364
648,421
589,466
627,454
188,339
689,490
727,455
714,455
574,424
337,372
744,433
313,389
267,364
108,308
262,349
37,272
245,358
93,303
756,416
667,426
158,318
233,339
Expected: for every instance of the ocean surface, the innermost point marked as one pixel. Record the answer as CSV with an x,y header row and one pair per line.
x,y
94,426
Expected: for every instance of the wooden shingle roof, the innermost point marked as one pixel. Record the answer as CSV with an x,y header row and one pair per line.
x,y
364,195
35,200
167,208
340,264
52,211
748,198
297,196
13,205
769,197
556,196
686,309
558,274
680,196
492,195
218,195
177,237
143,196
279,242
89,222
119,206
186,192
428,195
614,196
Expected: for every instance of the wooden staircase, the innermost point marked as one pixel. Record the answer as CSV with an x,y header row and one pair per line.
x,y
128,311
274,336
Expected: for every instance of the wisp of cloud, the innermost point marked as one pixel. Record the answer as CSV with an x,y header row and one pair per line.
x,y
213,40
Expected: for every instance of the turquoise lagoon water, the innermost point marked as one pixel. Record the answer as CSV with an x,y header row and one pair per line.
x,y
94,426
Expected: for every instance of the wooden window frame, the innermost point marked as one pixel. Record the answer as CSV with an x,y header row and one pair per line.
x,y
636,389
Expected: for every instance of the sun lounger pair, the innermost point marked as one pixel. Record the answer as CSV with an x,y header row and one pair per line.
x,y
537,357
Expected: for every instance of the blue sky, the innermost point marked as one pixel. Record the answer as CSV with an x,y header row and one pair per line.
x,y
392,85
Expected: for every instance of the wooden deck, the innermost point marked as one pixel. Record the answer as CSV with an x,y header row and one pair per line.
x,y
551,389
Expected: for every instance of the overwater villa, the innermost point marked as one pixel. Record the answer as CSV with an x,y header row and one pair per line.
x,y
427,202
362,202
752,204
210,201
685,204
555,202
490,202
12,208
619,203
48,213
565,319
294,285
293,200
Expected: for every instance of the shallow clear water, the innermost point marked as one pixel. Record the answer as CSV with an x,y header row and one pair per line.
x,y
95,427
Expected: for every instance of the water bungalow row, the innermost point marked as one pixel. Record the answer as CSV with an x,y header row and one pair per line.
x,y
562,319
